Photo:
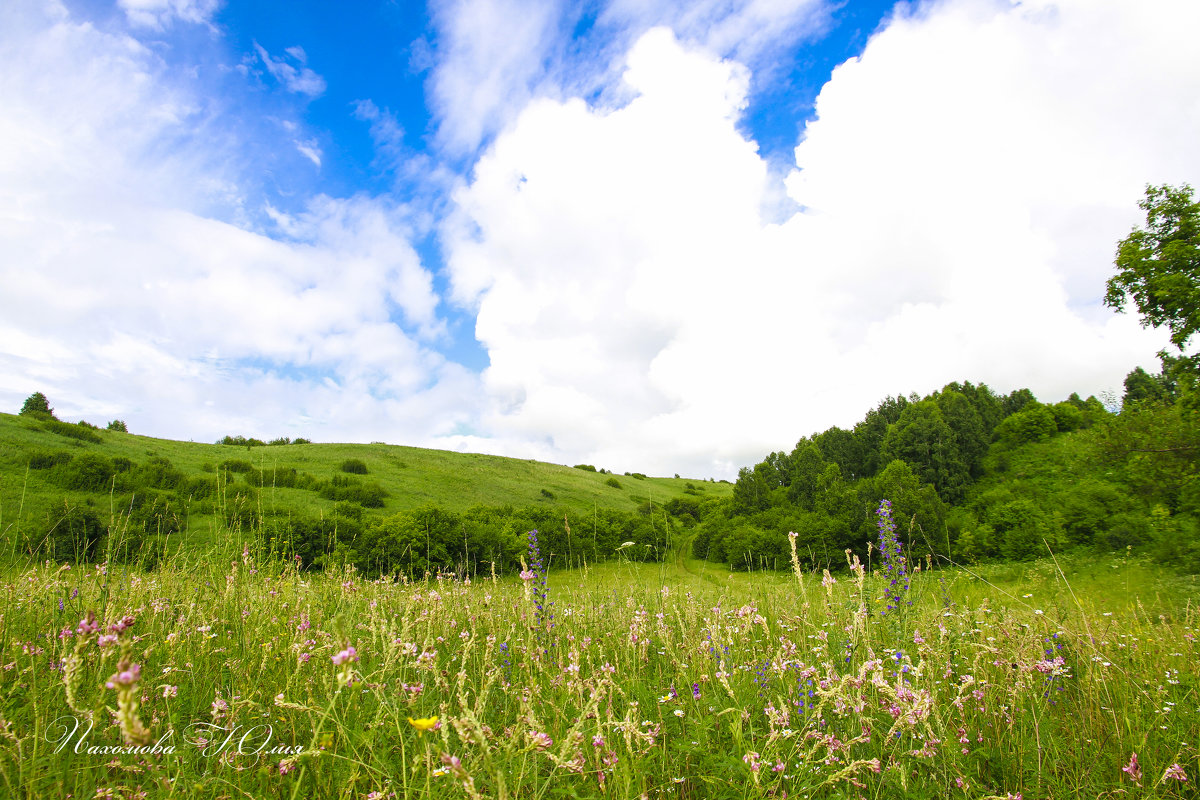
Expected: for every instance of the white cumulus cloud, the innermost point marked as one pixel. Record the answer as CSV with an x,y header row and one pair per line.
x,y
122,296
963,186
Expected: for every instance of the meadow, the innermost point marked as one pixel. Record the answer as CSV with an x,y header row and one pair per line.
x,y
234,674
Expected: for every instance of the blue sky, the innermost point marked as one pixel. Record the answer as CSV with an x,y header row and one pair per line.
x,y
650,235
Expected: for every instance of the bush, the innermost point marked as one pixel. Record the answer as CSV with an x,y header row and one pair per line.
x,y
70,431
118,425
354,466
158,473
76,536
236,465
585,467
87,472
242,441
280,440
613,482
301,441
43,460
368,495
549,495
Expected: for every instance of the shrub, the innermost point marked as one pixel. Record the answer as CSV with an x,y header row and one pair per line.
x,y
70,431
159,473
354,466
236,465
613,482
299,440
241,441
76,536
280,440
549,495
87,472
118,425
198,487
43,460
585,467
368,495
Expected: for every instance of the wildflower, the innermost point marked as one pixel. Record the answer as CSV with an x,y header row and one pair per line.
x,y
424,724
288,764
696,691
170,691
1175,772
541,740
88,625
345,656
125,682
1133,769
894,569
219,708
545,619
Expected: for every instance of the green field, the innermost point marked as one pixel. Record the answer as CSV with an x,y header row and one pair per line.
x,y
677,680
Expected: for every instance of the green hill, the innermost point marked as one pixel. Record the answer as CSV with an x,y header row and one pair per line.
x,y
62,484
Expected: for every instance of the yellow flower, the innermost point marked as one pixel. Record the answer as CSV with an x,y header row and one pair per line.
x,y
422,725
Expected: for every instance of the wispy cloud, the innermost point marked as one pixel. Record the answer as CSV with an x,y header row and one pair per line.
x,y
299,79
310,150
160,14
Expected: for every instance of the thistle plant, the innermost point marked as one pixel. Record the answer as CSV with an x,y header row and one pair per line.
x,y
892,558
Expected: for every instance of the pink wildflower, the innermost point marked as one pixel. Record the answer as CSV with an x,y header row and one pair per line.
x,y
88,625
1134,769
349,654
1176,772
127,674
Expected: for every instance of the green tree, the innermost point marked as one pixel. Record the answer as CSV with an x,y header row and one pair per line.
x,y
923,439
36,405
1159,266
807,467
1033,423
118,425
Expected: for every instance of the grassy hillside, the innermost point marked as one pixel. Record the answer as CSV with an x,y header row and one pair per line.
x,y
50,469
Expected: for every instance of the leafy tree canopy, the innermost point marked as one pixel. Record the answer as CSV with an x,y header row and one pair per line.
x,y
1159,266
36,405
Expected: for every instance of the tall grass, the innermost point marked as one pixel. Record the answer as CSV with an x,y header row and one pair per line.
x,y
675,680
